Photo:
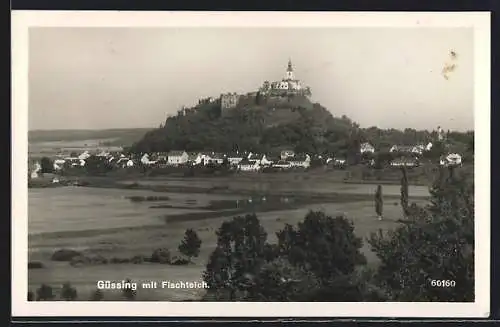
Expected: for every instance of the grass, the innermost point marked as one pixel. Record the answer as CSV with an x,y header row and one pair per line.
x,y
146,239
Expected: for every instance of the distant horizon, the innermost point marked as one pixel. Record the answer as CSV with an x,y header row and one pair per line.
x,y
150,128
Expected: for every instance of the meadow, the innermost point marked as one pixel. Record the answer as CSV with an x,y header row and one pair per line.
x,y
106,222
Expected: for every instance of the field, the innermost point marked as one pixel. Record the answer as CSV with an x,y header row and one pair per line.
x,y
52,142
103,221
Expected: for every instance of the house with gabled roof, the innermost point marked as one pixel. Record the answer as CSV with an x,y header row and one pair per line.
x,y
285,154
366,148
452,159
247,165
177,157
235,158
300,161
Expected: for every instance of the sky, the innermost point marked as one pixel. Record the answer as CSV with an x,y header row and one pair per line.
x,y
100,78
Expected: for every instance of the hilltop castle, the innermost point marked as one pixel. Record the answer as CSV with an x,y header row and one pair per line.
x,y
288,86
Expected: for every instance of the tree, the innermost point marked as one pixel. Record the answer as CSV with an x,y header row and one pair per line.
x,y
239,254
128,292
47,165
279,280
190,245
404,192
68,292
379,202
323,245
44,293
438,245
97,295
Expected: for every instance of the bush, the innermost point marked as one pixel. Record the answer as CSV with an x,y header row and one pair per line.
x,y
138,259
35,265
31,296
239,253
436,243
190,245
280,281
116,260
128,292
180,260
68,292
83,260
161,255
97,295
324,245
64,255
44,293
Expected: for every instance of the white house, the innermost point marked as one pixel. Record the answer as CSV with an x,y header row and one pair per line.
x,y
404,162
84,155
37,169
58,164
234,159
452,159
254,158
300,161
285,154
402,148
246,165
177,158
217,159
146,161
418,149
282,164
264,161
103,154
366,148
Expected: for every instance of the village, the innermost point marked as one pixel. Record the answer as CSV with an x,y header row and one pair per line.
x,y
245,161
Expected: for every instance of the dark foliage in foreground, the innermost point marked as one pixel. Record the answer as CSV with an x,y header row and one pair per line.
x,y
68,292
44,293
436,248
320,258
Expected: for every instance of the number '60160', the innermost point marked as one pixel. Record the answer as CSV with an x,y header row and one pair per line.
x,y
443,283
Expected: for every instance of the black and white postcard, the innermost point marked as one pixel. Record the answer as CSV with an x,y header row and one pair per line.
x,y
272,164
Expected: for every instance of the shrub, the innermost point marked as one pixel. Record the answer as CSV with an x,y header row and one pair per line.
x,y
64,255
437,243
161,255
138,259
128,292
35,265
68,292
97,295
190,245
180,260
280,281
44,293
324,245
239,253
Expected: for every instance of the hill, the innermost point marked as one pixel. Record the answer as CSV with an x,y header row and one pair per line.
x,y
263,124
254,124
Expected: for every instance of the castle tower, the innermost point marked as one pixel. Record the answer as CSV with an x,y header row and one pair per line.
x,y
289,70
